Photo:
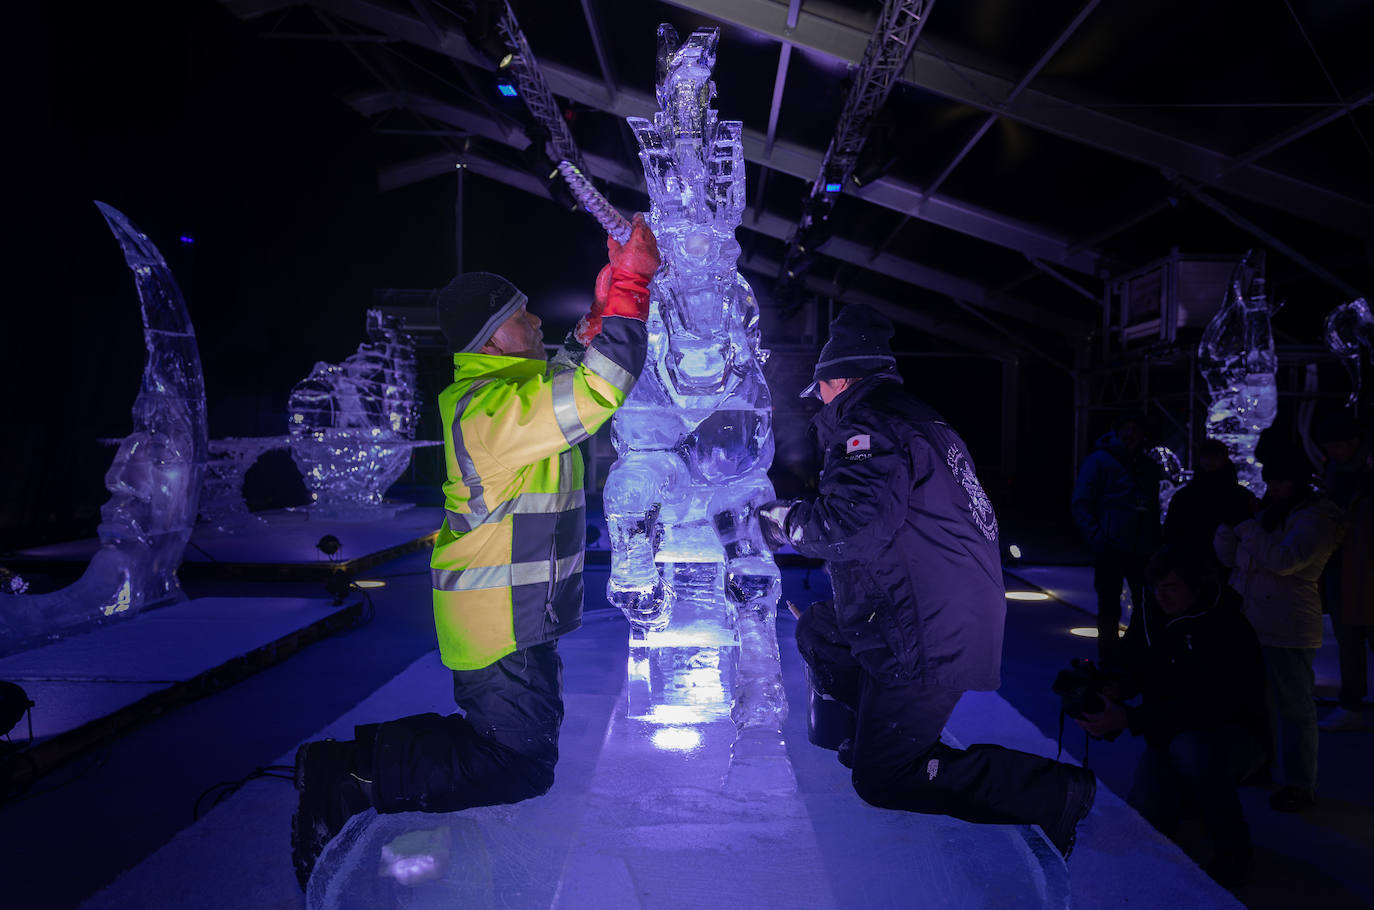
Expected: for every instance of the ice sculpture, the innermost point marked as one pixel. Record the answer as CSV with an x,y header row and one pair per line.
x,y
1172,476
221,498
694,439
154,481
1236,357
352,424
1350,335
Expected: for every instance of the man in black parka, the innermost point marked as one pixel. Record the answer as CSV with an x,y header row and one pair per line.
x,y
910,542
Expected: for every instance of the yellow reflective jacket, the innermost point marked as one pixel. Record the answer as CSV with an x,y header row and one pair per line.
x,y
507,565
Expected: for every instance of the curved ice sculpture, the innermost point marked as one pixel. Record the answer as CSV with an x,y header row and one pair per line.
x,y
352,424
154,481
694,439
1350,335
1172,476
1237,359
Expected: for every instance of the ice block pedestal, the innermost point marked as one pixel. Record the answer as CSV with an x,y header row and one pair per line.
x,y
349,471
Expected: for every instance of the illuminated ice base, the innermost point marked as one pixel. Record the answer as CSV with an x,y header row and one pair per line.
x,y
348,472
665,820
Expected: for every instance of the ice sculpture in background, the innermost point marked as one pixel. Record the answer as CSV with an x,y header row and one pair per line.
x,y
1172,477
221,498
352,424
689,567
154,481
1350,335
1236,357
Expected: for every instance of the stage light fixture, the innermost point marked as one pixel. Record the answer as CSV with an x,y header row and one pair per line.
x,y
14,704
1027,595
1015,551
329,545
370,583
337,585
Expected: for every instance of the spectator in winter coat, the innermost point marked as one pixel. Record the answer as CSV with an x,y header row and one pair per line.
x,y
1213,497
1276,559
1116,507
910,542
1348,480
1196,664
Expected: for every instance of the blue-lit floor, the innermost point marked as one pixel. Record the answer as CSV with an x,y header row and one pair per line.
x,y
125,824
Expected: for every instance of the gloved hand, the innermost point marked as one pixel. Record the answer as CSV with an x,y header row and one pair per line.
x,y
773,517
622,287
633,265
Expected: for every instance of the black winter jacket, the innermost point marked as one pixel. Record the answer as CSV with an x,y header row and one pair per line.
x,y
1196,671
908,536
1209,499
1116,499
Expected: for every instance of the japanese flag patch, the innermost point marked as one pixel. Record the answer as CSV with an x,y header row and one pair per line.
x,y
857,446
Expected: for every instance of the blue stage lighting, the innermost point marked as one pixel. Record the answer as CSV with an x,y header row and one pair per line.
x,y
507,89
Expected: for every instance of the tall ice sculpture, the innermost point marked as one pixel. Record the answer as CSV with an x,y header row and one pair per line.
x,y
689,567
1237,359
154,481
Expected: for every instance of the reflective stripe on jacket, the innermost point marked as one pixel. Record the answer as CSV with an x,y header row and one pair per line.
x,y
507,565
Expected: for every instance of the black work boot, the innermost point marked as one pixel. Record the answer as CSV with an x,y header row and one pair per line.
x,y
1078,801
331,794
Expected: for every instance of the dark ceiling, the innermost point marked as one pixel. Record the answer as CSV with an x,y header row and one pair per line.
x,y
1032,149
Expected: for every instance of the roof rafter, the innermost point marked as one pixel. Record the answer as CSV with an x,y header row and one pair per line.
x,y
801,163
968,85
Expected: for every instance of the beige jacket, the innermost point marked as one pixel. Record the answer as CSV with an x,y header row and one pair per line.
x,y
1276,572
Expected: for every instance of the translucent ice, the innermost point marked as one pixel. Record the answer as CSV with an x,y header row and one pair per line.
x,y
1350,334
154,481
1237,359
694,439
1172,478
352,424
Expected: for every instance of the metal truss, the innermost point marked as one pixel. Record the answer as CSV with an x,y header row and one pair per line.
x,y
894,38
535,91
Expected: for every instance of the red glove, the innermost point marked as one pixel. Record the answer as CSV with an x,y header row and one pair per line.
x,y
622,287
633,265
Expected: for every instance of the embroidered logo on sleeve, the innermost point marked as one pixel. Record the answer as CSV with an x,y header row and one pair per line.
x,y
978,501
857,446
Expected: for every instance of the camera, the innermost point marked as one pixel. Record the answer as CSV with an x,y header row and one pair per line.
x,y
1080,688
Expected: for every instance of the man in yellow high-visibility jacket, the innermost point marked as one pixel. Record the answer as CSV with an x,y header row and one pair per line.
x,y
507,565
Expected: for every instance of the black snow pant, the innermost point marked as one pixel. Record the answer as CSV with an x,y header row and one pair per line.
x,y
1110,569
502,748
898,759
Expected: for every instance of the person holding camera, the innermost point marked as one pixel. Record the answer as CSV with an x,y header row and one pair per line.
x,y
1198,669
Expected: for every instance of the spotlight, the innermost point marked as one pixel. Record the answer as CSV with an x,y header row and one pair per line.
x,y
370,583
1027,595
329,545
338,585
505,77
880,153
1015,551
14,704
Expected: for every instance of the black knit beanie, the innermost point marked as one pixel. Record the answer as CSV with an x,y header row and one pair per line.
x,y
859,346
473,306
